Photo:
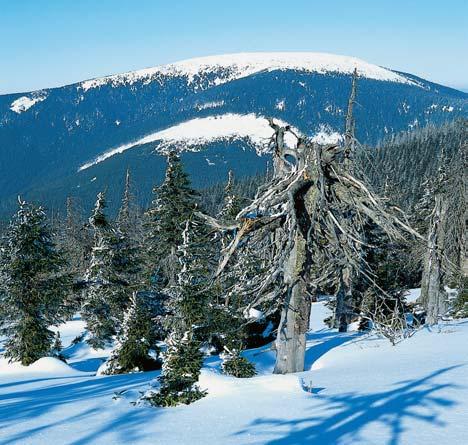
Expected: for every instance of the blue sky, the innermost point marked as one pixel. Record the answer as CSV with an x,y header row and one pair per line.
x,y
45,43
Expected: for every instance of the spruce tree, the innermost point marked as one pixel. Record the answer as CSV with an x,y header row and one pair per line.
x,y
460,307
180,372
128,218
231,203
75,242
33,285
174,202
126,252
192,293
135,340
56,350
102,302
190,298
236,365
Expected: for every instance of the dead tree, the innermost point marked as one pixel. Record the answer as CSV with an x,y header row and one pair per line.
x,y
344,295
432,291
385,315
445,246
305,213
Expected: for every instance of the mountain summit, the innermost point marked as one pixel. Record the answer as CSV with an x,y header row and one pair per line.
x,y
228,67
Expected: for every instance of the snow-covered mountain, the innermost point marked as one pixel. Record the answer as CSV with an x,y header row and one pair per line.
x,y
205,72
77,139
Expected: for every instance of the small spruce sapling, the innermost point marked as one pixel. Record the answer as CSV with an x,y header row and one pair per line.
x,y
57,347
180,372
236,365
135,341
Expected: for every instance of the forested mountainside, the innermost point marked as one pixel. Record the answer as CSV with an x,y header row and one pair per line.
x,y
406,162
78,139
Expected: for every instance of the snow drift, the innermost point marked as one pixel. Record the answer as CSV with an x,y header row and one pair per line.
x,y
50,366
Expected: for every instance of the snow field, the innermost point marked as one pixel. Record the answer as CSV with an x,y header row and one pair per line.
x,y
358,389
194,133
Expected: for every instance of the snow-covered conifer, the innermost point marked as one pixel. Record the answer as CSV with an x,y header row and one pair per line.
x,y
181,368
56,350
174,202
135,341
189,306
236,365
126,249
76,243
232,203
102,306
461,302
33,285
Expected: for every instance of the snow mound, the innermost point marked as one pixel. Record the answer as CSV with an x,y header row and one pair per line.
x,y
45,365
199,131
220,385
24,103
102,370
51,365
216,70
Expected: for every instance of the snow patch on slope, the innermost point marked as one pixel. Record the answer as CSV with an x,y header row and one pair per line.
x,y
24,103
200,131
326,135
225,68
214,104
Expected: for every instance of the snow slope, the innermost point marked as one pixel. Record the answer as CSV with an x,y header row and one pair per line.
x,y
358,390
194,133
227,67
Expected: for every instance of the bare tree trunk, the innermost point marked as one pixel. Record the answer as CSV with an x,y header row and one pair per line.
x,y
291,339
344,300
342,316
432,293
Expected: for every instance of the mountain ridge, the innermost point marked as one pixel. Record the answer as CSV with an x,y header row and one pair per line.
x,y
50,134
305,60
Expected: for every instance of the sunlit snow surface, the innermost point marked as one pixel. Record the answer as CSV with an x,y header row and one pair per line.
x,y
357,389
24,103
197,132
225,68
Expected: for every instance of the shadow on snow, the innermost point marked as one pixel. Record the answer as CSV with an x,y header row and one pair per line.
x,y
23,405
349,414
323,343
